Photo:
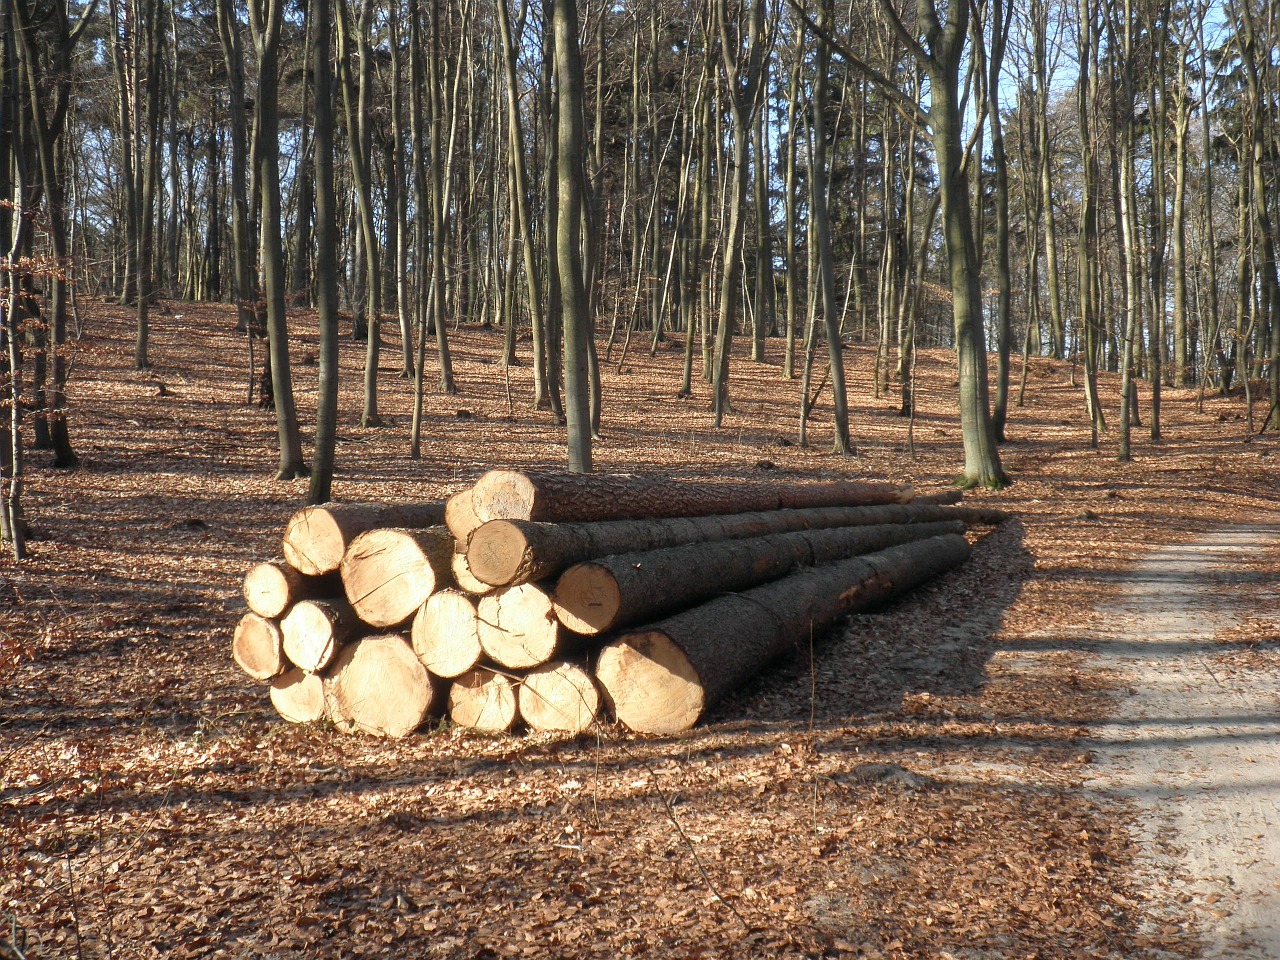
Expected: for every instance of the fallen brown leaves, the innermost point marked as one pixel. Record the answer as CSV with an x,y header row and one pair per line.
x,y
913,789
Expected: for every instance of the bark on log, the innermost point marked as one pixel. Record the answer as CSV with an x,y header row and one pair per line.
x,y
446,634
531,495
258,647
272,588
662,678
518,627
612,592
560,695
463,577
377,685
483,699
298,696
389,574
460,516
503,552
314,631
316,538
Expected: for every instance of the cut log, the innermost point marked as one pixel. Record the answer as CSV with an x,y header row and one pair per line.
x,y
511,495
518,627
460,516
560,695
298,696
463,577
612,592
941,497
316,538
314,631
483,699
388,574
377,685
661,679
258,647
272,588
446,634
503,552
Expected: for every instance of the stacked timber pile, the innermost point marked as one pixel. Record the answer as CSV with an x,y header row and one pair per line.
x,y
548,598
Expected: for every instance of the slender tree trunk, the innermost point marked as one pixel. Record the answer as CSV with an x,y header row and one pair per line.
x,y
326,254
265,17
571,178
356,95
822,224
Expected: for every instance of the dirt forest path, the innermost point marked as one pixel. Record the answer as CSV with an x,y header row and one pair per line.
x,y
1196,742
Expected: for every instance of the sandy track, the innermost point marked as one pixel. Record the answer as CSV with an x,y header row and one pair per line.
x,y
1196,744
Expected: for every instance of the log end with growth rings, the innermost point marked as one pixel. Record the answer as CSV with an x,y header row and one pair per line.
x,y
518,627
559,696
587,599
460,516
388,573
504,495
378,685
498,553
652,685
268,589
298,696
313,630
446,634
314,541
483,699
258,647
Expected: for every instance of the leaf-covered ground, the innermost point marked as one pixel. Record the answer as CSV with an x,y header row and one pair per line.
x,y
913,789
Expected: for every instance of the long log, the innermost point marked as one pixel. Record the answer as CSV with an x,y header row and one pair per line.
x,y
483,699
617,591
298,696
316,538
388,574
548,496
662,678
446,634
504,552
271,588
258,647
377,685
518,627
314,631
560,695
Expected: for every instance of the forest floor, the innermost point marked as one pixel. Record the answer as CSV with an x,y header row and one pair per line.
x,y
937,780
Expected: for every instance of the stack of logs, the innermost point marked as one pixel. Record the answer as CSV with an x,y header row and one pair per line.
x,y
551,598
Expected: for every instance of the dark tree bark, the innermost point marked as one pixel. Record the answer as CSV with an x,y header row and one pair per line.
x,y
326,234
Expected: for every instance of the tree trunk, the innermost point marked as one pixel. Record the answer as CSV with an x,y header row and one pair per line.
x,y
266,24
613,592
532,495
326,258
505,552
663,679
571,179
